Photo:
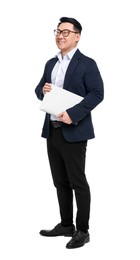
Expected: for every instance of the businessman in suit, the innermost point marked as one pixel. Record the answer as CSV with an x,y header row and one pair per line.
x,y
67,134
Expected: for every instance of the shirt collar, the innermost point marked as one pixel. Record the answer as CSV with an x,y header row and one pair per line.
x,y
69,55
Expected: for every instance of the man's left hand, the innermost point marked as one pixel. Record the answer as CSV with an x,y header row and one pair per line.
x,y
64,117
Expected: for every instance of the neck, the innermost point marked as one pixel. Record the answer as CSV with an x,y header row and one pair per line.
x,y
65,52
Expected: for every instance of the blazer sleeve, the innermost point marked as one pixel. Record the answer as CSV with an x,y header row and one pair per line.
x,y
46,77
38,89
94,93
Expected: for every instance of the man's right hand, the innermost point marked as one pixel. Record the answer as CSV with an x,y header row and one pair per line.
x,y
47,88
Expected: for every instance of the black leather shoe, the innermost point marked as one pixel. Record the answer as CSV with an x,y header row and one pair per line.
x,y
59,230
79,239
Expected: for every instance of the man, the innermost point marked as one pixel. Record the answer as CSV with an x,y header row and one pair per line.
x,y
68,133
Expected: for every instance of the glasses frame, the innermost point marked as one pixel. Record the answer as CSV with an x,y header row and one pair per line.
x,y
58,32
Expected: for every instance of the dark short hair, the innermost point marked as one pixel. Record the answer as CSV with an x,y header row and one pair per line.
x,y
77,26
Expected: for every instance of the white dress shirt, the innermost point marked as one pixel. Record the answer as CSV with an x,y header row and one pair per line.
x,y
59,71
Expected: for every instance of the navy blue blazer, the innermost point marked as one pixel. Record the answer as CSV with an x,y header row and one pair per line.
x,y
83,78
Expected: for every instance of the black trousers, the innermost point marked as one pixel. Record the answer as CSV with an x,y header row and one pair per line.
x,y
67,163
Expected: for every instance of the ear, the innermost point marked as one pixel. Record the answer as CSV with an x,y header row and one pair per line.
x,y
77,37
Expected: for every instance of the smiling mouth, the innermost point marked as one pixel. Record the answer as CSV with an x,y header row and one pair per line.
x,y
59,41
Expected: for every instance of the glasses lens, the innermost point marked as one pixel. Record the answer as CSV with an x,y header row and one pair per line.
x,y
56,32
65,33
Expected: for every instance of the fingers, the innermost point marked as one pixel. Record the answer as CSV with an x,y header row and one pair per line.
x,y
47,88
64,117
60,115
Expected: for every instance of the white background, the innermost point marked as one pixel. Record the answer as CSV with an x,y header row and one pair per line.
x,y
28,200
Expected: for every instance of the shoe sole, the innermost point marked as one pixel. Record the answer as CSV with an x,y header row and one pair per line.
x,y
65,235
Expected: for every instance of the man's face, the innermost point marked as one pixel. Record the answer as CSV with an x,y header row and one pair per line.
x,y
66,44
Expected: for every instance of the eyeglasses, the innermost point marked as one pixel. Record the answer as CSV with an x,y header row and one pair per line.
x,y
64,32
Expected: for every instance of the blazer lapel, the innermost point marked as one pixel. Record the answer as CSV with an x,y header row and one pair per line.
x,y
72,65
50,68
